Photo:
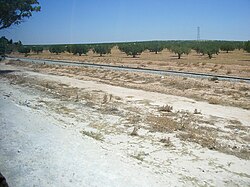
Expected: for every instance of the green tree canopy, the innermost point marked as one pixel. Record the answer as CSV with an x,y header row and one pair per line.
x,y
37,49
57,49
7,46
14,11
24,50
155,47
227,47
102,49
179,50
210,50
247,46
132,49
79,49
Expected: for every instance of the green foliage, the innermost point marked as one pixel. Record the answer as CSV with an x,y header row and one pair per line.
x,y
57,49
155,47
132,49
7,46
37,49
207,47
78,49
3,45
210,50
102,49
136,48
24,50
227,47
247,46
179,50
14,11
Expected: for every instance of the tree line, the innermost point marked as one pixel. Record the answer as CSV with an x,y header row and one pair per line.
x,y
133,49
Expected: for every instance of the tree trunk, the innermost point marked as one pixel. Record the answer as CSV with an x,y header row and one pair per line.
x,y
133,56
156,52
179,55
210,56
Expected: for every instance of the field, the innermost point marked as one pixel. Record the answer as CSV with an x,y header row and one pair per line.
x,y
157,130
235,62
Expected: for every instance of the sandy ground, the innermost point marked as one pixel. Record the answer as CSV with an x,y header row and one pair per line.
x,y
66,131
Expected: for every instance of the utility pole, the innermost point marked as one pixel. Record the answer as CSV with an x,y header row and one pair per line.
x,y
198,34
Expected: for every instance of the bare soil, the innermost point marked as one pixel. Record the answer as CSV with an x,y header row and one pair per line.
x,y
173,131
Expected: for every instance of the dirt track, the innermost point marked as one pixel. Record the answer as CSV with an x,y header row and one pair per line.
x,y
65,130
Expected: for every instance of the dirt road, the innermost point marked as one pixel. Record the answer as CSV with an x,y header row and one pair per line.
x,y
63,131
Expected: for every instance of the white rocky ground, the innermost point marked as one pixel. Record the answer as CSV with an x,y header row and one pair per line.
x,y
50,141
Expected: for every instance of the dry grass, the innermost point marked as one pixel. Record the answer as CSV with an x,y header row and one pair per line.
x,y
94,135
205,140
134,132
213,100
187,128
166,108
139,156
163,124
167,142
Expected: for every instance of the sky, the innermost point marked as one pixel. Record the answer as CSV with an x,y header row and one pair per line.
x,y
94,21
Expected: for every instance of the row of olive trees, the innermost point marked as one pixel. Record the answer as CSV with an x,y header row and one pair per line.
x,y
209,48
80,49
27,50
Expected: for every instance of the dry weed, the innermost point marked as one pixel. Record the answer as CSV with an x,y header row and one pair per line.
x,y
135,131
166,108
213,100
96,136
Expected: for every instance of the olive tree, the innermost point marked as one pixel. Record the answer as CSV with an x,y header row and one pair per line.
x,y
211,50
102,49
155,47
180,50
247,46
37,49
56,49
79,49
227,47
131,49
24,50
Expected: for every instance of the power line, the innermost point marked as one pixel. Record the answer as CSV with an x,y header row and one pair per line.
x,y
198,33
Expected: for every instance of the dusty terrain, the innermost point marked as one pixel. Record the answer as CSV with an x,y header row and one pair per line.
x,y
235,63
72,126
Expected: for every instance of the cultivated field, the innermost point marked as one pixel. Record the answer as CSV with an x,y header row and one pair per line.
x,y
235,62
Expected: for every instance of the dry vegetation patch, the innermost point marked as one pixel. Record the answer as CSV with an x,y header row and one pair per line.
x,y
222,92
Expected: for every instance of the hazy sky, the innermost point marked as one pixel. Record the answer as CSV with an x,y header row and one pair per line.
x,y
85,21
